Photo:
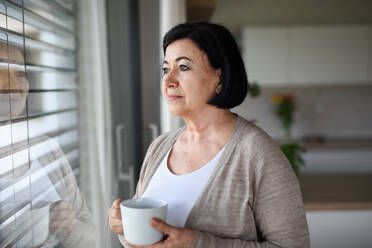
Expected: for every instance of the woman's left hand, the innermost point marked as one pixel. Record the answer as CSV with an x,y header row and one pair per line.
x,y
176,237
62,218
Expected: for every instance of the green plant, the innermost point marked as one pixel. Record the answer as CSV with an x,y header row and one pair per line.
x,y
254,89
293,153
285,107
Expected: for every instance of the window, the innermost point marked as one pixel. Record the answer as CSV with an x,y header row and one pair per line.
x,y
38,117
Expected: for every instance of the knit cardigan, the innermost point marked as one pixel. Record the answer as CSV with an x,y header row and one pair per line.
x,y
252,198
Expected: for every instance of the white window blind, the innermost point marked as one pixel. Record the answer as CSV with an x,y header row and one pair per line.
x,y
38,113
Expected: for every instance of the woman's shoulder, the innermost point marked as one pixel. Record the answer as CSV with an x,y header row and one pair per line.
x,y
256,145
249,134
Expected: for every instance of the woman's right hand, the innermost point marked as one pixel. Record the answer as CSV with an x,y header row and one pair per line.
x,y
115,217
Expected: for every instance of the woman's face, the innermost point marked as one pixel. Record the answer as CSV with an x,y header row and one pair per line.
x,y
13,83
189,82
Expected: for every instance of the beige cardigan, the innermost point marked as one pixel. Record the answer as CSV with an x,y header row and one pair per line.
x,y
252,198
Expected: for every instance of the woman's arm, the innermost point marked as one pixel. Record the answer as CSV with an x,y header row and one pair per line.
x,y
277,205
83,233
203,239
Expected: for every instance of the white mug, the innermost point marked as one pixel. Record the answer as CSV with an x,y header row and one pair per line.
x,y
40,230
136,215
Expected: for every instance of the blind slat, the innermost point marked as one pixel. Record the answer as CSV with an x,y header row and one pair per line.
x,y
36,42
36,116
68,5
18,227
10,149
15,10
53,13
35,27
19,173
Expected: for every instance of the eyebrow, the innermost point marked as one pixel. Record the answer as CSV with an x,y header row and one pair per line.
x,y
178,59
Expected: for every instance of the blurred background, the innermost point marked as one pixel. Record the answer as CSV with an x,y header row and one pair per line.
x,y
80,102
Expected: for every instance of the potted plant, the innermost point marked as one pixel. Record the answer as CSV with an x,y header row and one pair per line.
x,y
285,107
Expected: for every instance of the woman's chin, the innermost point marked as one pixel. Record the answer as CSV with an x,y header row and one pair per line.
x,y
176,110
176,113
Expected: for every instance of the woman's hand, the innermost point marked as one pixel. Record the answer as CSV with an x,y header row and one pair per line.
x,y
62,218
176,237
115,217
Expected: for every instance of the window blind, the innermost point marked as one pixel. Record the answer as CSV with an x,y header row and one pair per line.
x,y
38,113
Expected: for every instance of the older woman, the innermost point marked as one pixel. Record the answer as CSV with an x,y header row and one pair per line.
x,y
226,181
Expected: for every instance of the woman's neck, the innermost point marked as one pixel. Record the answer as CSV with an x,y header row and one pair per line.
x,y
214,123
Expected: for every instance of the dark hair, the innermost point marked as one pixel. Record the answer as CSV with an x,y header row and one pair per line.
x,y
222,52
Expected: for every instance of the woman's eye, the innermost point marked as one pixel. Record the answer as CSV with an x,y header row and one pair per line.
x,y
184,67
165,70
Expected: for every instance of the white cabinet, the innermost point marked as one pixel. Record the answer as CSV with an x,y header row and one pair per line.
x,y
340,229
265,52
328,54
307,55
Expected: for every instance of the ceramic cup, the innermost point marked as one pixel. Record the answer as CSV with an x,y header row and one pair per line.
x,y
136,215
40,218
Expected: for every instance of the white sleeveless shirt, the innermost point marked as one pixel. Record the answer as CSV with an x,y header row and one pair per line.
x,y
180,191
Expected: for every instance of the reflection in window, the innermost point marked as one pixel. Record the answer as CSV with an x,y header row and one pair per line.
x,y
40,202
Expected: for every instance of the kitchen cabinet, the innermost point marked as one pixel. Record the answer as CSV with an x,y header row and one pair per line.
x,y
331,201
308,55
265,53
328,54
338,193
340,229
338,157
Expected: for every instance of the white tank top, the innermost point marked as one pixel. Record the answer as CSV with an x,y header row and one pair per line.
x,y
180,191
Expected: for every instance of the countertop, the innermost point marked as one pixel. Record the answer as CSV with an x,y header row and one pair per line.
x,y
336,144
321,143
337,192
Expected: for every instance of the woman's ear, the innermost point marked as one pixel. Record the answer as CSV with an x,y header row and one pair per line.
x,y
219,85
219,88
219,73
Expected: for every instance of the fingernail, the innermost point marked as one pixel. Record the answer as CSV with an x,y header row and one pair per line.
x,y
154,221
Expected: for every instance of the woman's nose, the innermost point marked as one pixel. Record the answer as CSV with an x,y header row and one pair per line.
x,y
170,80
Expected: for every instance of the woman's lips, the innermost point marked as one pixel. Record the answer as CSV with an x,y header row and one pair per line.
x,y
173,97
